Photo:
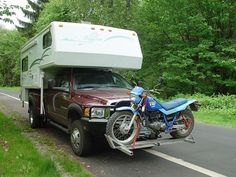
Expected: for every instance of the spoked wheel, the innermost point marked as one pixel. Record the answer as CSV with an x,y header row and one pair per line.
x,y
117,127
185,118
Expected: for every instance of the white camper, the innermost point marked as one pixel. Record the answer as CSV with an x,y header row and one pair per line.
x,y
64,44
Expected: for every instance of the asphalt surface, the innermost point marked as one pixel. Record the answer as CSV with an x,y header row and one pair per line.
x,y
214,151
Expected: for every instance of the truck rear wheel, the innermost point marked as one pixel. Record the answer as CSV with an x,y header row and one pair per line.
x,y
81,141
34,118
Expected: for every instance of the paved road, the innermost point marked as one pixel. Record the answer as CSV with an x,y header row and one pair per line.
x,y
214,153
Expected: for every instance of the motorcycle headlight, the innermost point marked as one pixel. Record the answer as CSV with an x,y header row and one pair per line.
x,y
100,112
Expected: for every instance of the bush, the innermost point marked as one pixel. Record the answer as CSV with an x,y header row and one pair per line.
x,y
213,102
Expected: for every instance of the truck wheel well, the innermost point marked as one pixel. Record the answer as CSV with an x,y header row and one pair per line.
x,y
72,116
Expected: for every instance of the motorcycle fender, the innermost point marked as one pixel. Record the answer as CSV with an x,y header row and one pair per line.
x,y
127,108
178,109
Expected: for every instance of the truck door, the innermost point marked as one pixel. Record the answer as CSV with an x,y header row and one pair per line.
x,y
58,99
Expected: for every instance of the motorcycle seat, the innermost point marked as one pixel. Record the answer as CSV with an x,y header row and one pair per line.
x,y
173,103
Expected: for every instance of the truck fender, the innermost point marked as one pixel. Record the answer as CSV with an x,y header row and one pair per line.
x,y
74,108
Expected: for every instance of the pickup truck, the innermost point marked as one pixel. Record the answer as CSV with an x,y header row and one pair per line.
x,y
79,101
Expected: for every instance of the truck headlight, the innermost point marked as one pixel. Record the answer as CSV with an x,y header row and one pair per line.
x,y
100,112
97,112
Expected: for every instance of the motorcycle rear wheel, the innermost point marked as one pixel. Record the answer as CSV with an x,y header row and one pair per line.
x,y
114,127
188,115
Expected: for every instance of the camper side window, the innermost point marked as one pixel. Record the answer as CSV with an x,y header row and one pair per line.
x,y
47,40
25,64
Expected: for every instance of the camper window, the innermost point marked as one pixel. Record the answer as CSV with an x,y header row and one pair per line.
x,y
25,64
47,40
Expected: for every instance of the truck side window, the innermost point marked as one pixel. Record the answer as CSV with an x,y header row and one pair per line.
x,y
47,40
24,64
63,82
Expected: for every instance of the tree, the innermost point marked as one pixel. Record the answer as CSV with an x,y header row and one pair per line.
x,y
10,44
105,12
32,12
190,43
6,11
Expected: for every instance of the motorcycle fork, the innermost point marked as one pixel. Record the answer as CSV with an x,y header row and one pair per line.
x,y
132,121
136,113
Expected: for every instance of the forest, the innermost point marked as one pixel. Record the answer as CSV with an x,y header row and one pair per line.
x,y
189,43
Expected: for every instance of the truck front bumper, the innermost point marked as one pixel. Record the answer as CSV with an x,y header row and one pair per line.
x,y
96,127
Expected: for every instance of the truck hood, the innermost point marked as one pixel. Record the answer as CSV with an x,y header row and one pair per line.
x,y
101,96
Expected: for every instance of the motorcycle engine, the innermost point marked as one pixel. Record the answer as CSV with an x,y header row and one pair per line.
x,y
155,121
153,116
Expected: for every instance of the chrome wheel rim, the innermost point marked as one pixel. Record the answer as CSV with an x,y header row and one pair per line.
x,y
75,138
117,129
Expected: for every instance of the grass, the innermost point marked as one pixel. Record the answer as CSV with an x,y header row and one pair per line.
x,y
217,117
18,155
14,89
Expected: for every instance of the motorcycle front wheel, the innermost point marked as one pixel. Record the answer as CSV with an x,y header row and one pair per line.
x,y
189,119
116,127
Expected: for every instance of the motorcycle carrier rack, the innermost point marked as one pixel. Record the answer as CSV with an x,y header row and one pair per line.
x,y
128,149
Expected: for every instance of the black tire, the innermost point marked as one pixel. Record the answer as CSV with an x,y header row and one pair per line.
x,y
34,117
111,125
185,132
81,140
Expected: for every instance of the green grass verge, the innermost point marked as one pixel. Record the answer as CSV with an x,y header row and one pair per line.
x,y
18,155
14,89
217,117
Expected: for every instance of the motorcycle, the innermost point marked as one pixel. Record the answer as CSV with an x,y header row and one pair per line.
x,y
174,117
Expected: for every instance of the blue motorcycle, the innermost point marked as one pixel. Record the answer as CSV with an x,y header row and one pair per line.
x,y
173,117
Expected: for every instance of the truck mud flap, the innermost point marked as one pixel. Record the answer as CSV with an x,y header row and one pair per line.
x,y
128,149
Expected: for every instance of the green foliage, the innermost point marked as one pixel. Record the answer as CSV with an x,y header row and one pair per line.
x,y
18,156
55,10
216,109
32,14
6,11
117,14
213,102
10,44
13,89
190,43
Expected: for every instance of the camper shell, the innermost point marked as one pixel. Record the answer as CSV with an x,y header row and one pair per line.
x,y
64,44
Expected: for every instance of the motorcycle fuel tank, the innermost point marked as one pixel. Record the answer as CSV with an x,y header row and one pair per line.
x,y
152,104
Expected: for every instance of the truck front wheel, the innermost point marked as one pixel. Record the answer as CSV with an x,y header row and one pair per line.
x,y
80,139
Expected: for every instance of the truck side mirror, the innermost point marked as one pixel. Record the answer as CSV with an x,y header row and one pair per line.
x,y
51,83
140,84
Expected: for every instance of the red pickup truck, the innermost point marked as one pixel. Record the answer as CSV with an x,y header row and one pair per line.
x,y
79,101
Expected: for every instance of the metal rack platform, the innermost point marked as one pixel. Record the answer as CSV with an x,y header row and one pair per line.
x,y
128,149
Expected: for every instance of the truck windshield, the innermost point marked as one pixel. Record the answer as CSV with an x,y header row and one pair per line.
x,y
100,79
